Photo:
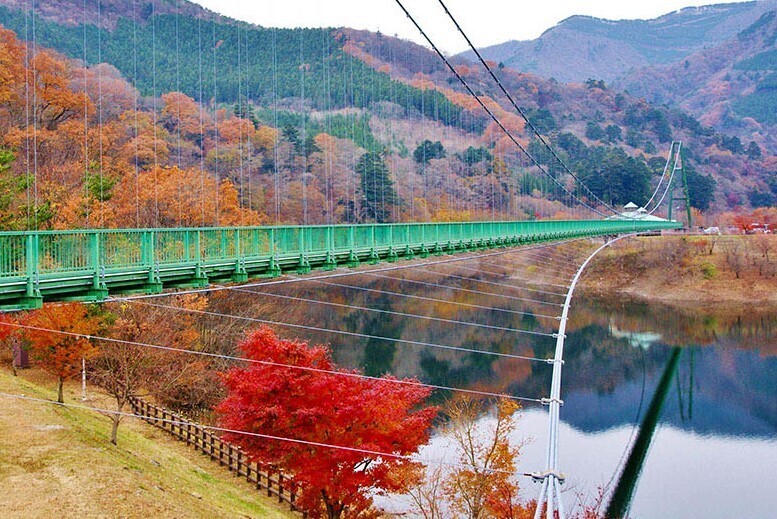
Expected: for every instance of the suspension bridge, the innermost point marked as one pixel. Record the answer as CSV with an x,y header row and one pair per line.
x,y
100,264
90,265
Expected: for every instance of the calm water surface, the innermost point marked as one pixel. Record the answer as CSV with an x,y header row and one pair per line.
x,y
714,449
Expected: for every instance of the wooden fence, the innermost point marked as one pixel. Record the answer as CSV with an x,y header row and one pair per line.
x,y
275,483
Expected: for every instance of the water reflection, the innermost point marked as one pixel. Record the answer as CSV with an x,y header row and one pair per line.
x,y
721,393
726,379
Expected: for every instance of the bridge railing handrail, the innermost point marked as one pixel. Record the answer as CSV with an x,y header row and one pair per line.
x,y
311,226
34,257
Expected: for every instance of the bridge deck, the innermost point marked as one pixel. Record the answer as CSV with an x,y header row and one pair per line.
x,y
89,265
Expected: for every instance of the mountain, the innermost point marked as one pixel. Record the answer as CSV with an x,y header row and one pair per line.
x,y
311,103
174,45
590,123
730,86
583,47
107,13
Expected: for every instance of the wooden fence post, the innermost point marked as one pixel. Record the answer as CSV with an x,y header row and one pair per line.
x,y
236,460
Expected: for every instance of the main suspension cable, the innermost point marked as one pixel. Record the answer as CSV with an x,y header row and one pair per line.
x,y
493,116
521,112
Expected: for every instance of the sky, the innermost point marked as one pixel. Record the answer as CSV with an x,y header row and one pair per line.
x,y
486,22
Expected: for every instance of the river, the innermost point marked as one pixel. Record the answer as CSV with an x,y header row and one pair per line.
x,y
714,445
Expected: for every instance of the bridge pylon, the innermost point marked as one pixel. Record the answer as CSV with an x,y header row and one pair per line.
x,y
678,176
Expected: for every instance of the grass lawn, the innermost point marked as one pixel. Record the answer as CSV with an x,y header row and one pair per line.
x,y
57,462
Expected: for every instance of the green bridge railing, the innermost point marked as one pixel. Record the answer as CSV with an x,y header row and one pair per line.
x,y
89,265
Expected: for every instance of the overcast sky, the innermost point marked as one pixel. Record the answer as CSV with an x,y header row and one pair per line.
x,y
487,22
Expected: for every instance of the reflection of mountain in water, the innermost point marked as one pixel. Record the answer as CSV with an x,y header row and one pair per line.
x,y
734,379
733,394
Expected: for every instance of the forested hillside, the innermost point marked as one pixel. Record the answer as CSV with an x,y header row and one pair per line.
x,y
731,86
607,135
583,47
223,60
193,119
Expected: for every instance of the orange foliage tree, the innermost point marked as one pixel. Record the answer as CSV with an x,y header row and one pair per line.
x,y
323,405
12,53
171,196
181,113
131,368
58,339
482,487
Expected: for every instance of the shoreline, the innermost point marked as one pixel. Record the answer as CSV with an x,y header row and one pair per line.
x,y
726,273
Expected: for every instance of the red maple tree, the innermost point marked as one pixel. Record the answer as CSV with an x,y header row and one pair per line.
x,y
324,407
5,329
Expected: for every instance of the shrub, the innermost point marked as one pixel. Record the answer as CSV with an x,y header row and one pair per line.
x,y
708,270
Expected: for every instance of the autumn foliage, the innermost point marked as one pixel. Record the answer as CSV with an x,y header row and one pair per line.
x,y
317,405
483,485
5,326
57,338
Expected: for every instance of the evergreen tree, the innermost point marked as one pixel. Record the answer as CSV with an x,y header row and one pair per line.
x,y
615,177
753,151
594,132
427,151
701,188
614,133
378,194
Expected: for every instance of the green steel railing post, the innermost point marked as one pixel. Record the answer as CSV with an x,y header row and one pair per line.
x,y
424,247
408,252
330,263
94,245
353,258
99,289
148,253
240,275
275,268
392,253
437,250
186,246
33,298
153,283
304,264
200,279
374,258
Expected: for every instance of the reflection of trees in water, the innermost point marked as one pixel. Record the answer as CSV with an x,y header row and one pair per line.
x,y
603,373
683,326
